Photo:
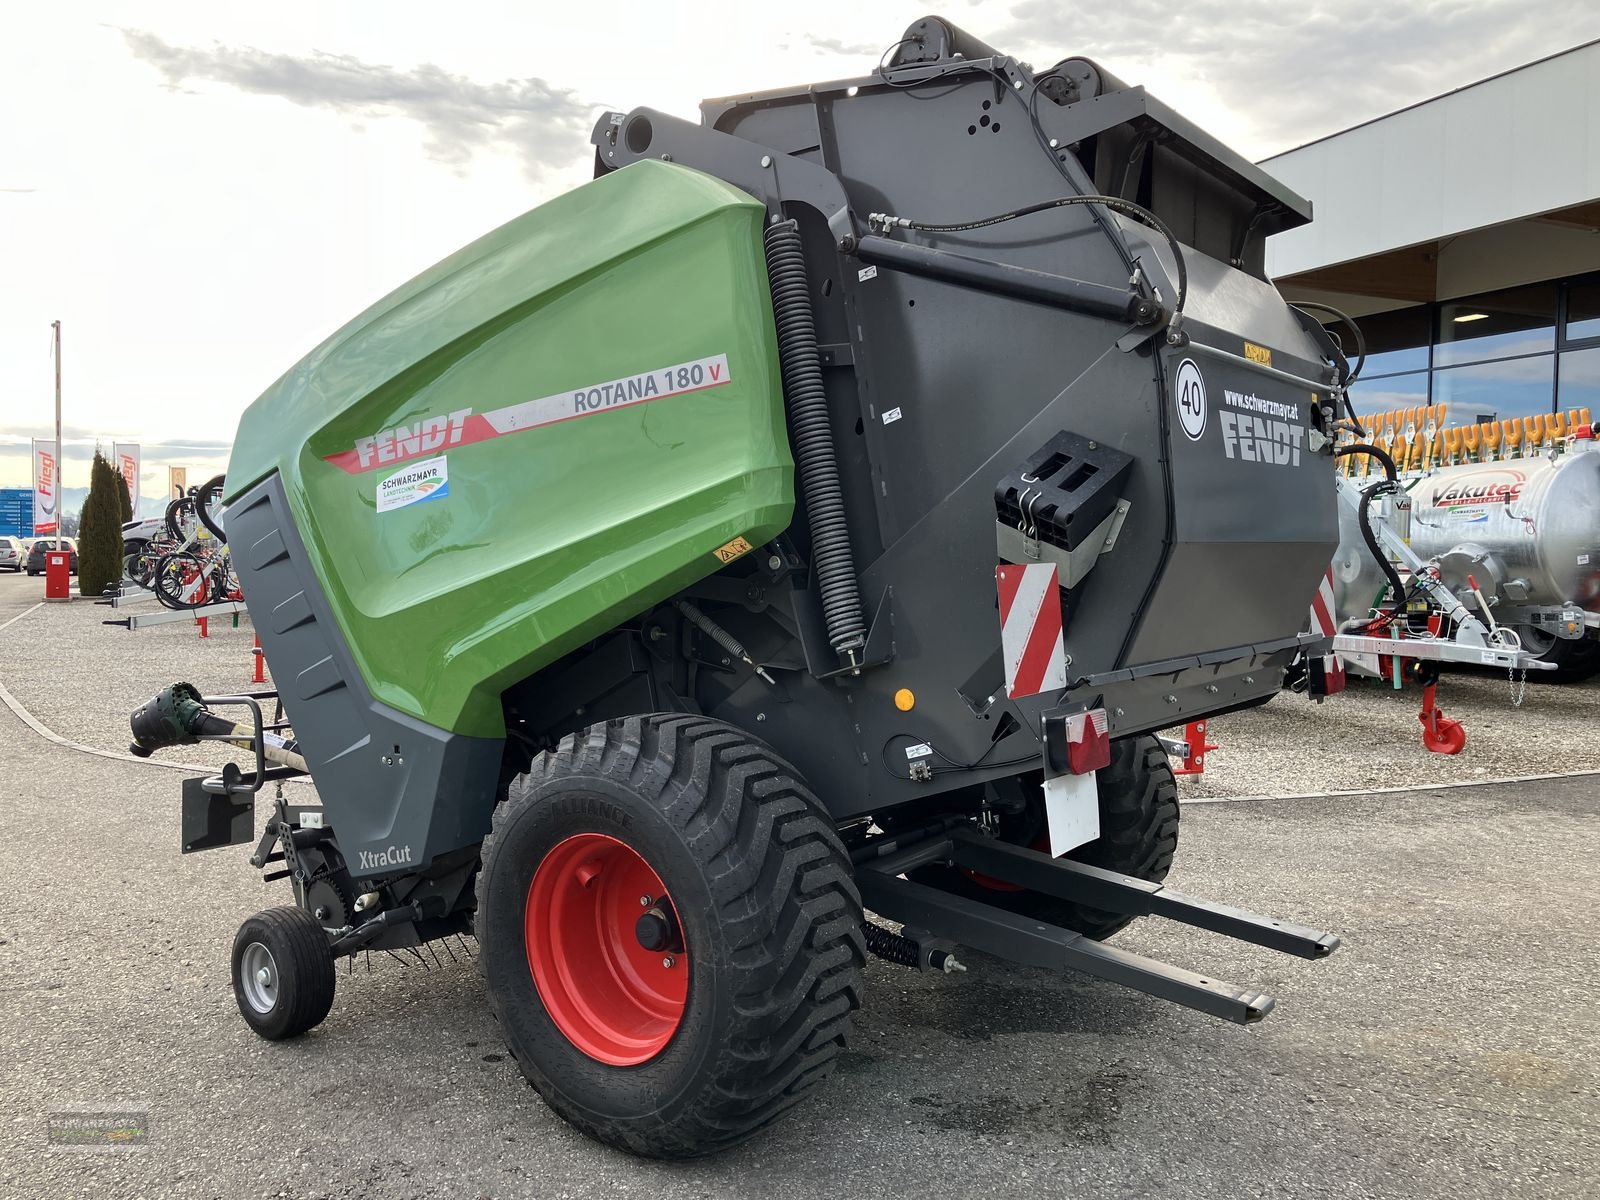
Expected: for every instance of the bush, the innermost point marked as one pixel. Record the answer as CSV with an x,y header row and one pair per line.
x,y
100,531
125,498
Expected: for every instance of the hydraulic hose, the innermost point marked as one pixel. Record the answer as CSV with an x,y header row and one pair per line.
x,y
1390,483
202,507
815,461
174,516
1351,374
1371,451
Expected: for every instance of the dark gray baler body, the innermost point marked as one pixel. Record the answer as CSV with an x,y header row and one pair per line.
x,y
938,390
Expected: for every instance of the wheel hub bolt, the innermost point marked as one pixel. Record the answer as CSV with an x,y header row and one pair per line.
x,y
656,930
669,962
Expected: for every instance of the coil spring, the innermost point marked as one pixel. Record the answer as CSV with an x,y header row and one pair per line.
x,y
818,468
714,631
890,946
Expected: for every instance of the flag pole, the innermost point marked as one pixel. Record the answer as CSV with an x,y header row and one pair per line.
x,y
56,325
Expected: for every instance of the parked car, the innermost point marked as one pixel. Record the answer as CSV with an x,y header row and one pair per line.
x,y
13,554
41,545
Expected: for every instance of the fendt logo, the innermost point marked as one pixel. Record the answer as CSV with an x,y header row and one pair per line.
x,y
1261,439
392,856
1481,487
411,441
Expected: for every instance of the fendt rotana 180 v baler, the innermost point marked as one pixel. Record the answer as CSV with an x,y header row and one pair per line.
x,y
814,515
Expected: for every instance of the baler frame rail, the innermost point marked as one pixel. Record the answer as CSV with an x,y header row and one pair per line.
x,y
1035,943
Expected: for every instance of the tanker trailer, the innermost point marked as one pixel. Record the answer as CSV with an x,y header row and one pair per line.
x,y
1518,540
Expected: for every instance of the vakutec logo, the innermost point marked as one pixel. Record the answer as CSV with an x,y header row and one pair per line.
x,y
393,856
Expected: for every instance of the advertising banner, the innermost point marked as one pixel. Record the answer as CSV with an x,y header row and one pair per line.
x,y
127,461
46,487
177,482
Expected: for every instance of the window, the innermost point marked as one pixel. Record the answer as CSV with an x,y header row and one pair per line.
x,y
1392,391
1496,325
1496,391
1580,380
1396,341
1583,311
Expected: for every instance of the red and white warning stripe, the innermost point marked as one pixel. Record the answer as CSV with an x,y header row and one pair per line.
x,y
1030,628
1324,620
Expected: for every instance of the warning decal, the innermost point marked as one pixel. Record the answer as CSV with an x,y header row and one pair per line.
x,y
1030,628
464,427
732,550
1323,621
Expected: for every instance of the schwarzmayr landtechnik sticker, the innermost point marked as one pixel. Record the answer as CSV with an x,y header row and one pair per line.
x,y
421,481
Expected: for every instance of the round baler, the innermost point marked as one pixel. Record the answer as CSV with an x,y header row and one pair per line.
x,y
815,514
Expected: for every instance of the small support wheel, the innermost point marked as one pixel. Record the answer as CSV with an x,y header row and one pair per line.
x,y
1440,735
283,974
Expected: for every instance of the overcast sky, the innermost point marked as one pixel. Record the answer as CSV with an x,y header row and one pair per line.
x,y
202,192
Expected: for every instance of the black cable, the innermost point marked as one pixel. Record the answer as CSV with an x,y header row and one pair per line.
x,y
954,764
1141,214
1348,322
1351,374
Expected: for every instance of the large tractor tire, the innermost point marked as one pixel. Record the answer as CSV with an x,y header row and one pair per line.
x,y
1576,659
670,933
1138,837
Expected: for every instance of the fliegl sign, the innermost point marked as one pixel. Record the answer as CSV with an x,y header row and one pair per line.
x,y
1496,486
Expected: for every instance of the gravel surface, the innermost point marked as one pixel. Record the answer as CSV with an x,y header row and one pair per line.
x,y
1369,737
1366,738
87,694
1450,1050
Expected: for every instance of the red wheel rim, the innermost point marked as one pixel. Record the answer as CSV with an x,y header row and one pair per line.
x,y
1449,737
613,999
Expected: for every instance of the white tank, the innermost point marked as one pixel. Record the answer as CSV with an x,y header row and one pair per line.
x,y
1527,529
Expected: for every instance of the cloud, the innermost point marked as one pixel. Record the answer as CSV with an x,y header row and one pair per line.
x,y
547,126
832,45
77,439
1296,73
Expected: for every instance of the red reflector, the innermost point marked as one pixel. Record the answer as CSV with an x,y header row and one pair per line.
x,y
1088,742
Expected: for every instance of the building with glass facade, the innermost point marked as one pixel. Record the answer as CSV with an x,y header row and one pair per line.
x,y
1464,233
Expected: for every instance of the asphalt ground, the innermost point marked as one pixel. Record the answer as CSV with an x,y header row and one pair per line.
x,y
1449,1050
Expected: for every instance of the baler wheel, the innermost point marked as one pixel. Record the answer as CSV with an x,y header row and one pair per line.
x,y
670,933
283,977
